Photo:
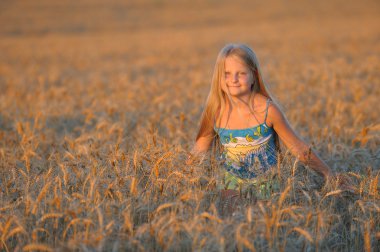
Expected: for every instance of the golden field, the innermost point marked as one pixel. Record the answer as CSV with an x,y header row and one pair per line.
x,y
99,106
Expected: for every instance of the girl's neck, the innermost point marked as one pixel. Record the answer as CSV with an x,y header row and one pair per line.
x,y
241,102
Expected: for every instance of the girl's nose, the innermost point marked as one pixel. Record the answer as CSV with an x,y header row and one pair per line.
x,y
234,78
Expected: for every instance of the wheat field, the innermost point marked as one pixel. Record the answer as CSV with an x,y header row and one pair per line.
x,y
100,103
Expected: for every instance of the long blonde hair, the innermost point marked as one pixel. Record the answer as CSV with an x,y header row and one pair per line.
x,y
216,100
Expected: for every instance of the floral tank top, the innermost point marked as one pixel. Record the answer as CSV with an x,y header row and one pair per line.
x,y
248,152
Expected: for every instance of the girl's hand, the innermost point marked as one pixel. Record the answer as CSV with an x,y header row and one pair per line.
x,y
342,182
198,158
190,159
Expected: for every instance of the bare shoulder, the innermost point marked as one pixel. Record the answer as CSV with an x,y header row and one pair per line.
x,y
259,102
275,114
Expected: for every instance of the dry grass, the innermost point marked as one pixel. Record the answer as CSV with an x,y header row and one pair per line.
x,y
99,105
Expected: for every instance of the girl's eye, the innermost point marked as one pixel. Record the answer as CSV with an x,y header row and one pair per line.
x,y
242,73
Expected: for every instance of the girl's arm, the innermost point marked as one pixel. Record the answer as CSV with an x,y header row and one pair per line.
x,y
295,144
201,146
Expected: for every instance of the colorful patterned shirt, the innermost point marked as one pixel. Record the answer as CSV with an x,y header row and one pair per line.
x,y
248,152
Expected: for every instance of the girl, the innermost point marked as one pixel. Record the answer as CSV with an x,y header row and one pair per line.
x,y
241,116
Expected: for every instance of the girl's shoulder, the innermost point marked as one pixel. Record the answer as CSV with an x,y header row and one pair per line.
x,y
275,113
260,102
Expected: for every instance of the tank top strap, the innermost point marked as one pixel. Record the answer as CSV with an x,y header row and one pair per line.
x,y
266,110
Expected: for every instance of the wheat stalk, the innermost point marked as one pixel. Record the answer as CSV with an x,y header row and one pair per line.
x,y
304,233
15,231
49,216
38,247
41,195
158,162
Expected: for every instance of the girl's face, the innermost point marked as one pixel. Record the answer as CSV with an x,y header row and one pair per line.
x,y
238,77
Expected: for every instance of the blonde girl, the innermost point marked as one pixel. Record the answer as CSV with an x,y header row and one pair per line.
x,y
241,116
